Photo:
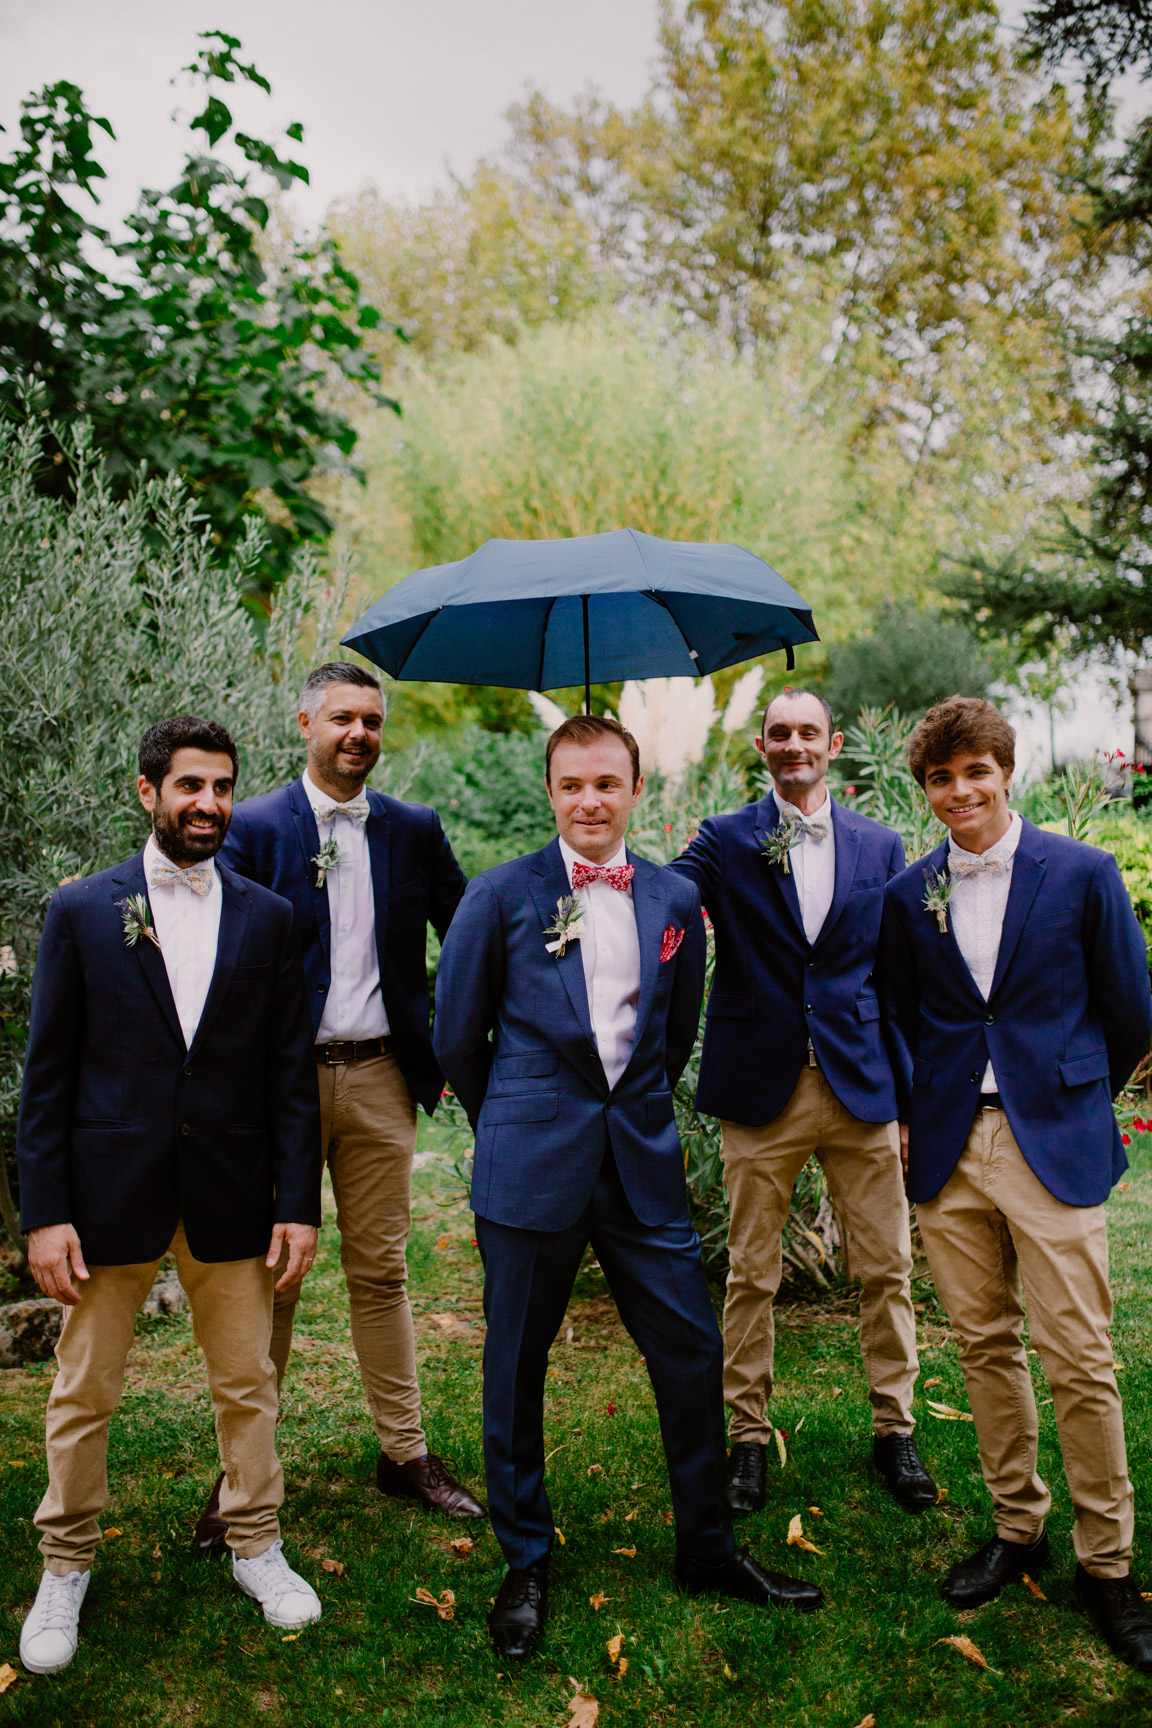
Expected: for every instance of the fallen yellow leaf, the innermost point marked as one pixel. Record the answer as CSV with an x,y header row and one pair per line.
x,y
629,1516
780,1447
869,1721
797,1538
336,1566
289,1637
947,1412
109,1534
462,1545
156,1552
584,1711
941,1495
728,1674
837,1391
621,1667
7,1675
615,1645
1033,1586
560,1537
442,1243
444,1321
445,1607
628,1553
966,1648
598,1600
595,1469
935,1381
17,1464
815,1511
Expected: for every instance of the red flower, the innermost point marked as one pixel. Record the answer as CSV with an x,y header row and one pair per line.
x,y
1119,752
667,827
850,791
474,1242
611,1409
1127,1139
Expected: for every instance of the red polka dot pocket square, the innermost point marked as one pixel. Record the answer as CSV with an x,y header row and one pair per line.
x,y
670,941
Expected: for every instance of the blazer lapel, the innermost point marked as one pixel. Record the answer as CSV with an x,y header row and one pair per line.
x,y
650,905
308,839
549,884
938,861
380,856
235,912
1027,874
131,880
846,839
767,820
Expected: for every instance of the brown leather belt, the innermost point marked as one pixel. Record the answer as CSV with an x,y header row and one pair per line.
x,y
344,1050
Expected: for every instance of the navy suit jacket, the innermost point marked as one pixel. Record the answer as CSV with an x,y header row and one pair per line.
x,y
123,1132
1066,1021
416,881
772,989
514,1036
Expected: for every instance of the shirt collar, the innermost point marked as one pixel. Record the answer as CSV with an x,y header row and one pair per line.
x,y
1004,849
825,809
570,858
152,851
324,800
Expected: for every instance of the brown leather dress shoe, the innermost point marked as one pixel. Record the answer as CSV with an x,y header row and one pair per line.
x,y
425,1479
211,1530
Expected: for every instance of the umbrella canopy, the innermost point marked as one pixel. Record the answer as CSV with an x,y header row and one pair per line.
x,y
550,614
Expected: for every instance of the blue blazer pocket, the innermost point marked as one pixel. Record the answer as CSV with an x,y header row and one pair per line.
x,y
868,1007
1083,1069
921,1072
520,1107
660,1108
722,1006
531,1066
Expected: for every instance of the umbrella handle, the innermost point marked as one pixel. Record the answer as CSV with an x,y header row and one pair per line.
x,y
587,675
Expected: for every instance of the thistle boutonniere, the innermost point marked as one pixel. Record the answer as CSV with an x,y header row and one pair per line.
x,y
567,926
137,919
937,893
777,844
328,858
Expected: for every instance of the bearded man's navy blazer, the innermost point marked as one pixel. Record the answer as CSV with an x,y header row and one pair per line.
x,y
514,1037
1066,1021
416,881
772,989
124,1132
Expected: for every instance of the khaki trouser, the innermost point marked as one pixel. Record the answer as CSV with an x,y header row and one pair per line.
x,y
993,1226
368,1137
232,1321
861,1163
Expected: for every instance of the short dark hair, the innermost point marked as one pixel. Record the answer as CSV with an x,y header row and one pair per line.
x,y
334,672
184,732
800,690
591,729
961,726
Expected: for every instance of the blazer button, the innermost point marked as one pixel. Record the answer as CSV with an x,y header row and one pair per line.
x,y
972,1078
188,1072
808,1008
989,1019
810,964
185,1127
320,989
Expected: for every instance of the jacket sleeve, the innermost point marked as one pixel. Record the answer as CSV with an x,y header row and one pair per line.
x,y
469,985
702,861
293,1099
50,1071
1117,963
896,857
448,881
687,992
236,852
899,992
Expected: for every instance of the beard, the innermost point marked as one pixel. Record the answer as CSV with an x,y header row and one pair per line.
x,y
182,844
339,771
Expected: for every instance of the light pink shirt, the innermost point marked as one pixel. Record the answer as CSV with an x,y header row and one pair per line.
x,y
610,953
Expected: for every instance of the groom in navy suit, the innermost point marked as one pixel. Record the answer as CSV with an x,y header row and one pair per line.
x,y
568,999
1018,980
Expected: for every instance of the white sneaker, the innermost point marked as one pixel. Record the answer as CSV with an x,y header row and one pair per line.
x,y
52,1630
286,1598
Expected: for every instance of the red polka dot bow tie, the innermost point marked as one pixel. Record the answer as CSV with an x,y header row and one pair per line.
x,y
618,876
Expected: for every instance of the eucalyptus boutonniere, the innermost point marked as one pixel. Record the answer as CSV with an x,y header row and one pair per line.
x,y
137,918
777,844
937,893
328,858
567,926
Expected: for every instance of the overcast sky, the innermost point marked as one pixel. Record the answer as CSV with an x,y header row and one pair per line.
x,y
388,90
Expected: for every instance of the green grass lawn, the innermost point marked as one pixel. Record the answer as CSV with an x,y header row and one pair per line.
x,y
167,1638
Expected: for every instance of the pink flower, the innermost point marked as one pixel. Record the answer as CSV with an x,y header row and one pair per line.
x,y
667,827
850,791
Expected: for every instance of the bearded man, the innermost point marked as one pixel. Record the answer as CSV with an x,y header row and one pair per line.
x,y
169,1104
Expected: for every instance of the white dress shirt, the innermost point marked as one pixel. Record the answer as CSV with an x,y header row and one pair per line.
x,y
188,928
813,864
355,1007
977,905
610,952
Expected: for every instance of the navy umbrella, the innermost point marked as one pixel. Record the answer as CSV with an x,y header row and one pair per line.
x,y
550,614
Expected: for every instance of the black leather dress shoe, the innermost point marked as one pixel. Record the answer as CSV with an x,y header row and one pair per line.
x,y
211,1530
520,1610
984,1574
428,1480
744,1578
1121,1614
747,1476
896,1458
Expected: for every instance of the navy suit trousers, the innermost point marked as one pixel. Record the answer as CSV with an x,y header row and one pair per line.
x,y
657,1279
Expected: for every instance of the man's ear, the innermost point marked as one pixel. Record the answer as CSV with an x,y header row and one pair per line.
x,y
147,792
759,743
304,721
836,744
548,789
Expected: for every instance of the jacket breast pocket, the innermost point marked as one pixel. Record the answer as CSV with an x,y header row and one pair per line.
x,y
921,1072
520,1107
1083,1069
867,1007
532,1065
659,1106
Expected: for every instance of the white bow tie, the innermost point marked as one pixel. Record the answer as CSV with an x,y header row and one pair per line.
x,y
812,827
198,878
962,864
356,811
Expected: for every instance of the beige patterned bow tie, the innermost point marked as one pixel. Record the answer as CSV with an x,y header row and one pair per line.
x,y
198,878
356,811
812,827
962,864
